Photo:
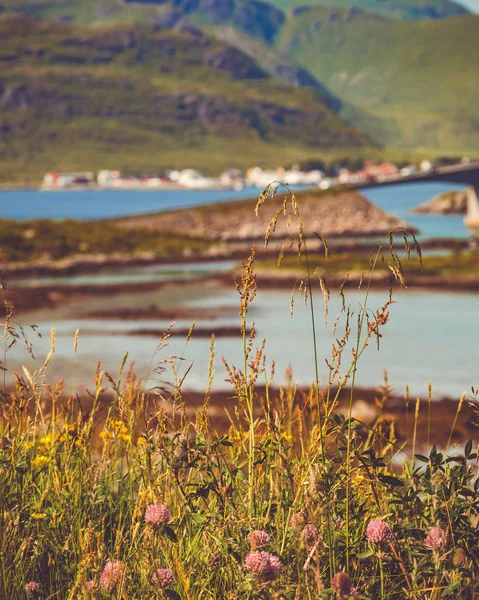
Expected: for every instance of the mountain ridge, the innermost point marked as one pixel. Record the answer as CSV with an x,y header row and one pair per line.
x,y
143,98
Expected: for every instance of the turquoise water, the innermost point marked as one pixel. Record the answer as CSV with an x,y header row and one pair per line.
x,y
98,204
400,199
430,337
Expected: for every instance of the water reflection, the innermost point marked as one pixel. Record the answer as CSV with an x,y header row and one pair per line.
x,y
430,337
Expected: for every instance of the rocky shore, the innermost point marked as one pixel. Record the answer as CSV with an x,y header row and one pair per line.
x,y
447,203
331,214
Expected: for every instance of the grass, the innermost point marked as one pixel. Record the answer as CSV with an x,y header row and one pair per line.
x,y
453,264
295,501
26,241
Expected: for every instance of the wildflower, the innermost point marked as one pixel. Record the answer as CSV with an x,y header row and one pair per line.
x,y
111,575
46,441
32,588
38,516
342,585
459,557
68,433
265,565
436,539
157,515
141,440
163,578
358,479
40,461
116,430
379,532
310,535
297,522
90,586
258,538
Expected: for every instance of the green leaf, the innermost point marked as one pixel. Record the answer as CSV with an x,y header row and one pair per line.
x,y
422,458
200,519
468,448
390,480
170,534
366,554
450,589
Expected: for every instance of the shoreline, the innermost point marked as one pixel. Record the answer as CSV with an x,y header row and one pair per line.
x,y
434,420
27,299
97,263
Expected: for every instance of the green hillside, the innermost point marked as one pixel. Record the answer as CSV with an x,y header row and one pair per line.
x,y
410,85
139,98
408,10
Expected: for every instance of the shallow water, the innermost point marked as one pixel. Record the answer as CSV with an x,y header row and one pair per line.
x,y
137,274
430,337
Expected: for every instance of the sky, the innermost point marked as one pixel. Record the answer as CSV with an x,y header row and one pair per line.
x,y
471,4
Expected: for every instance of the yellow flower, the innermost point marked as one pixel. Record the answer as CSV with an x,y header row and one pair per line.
x,y
357,479
46,440
115,430
287,437
29,445
141,440
38,516
40,461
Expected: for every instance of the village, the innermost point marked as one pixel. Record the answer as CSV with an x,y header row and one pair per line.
x,y
258,177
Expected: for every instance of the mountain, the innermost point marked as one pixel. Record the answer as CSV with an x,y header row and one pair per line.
x,y
409,84
400,70
251,25
407,10
138,97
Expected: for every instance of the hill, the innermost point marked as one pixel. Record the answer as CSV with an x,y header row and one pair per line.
x,y
410,85
400,70
136,97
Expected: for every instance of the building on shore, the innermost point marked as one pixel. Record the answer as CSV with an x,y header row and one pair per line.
x,y
54,180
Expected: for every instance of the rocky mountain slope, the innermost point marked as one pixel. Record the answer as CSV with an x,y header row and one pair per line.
x,y
136,97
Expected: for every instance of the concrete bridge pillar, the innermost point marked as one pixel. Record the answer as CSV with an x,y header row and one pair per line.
x,y
472,217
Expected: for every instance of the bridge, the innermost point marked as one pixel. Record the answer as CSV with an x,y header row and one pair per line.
x,y
465,173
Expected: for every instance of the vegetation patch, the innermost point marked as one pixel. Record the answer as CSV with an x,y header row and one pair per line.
x,y
53,240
